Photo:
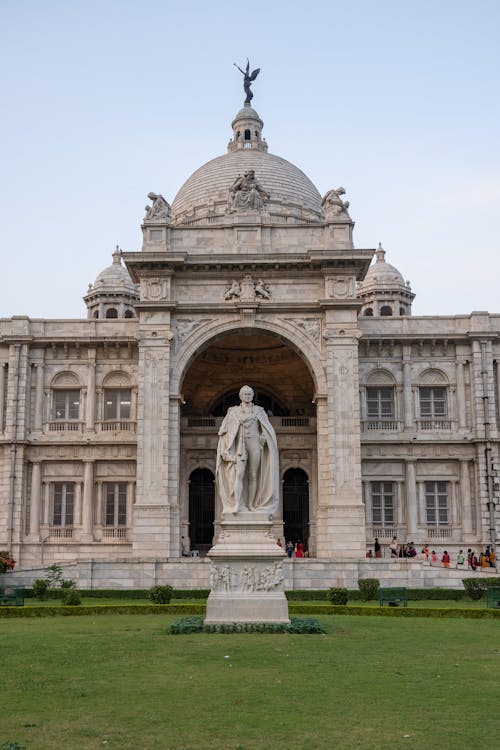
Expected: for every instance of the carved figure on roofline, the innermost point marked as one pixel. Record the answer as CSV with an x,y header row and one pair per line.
x,y
247,477
262,290
246,194
333,204
159,211
248,79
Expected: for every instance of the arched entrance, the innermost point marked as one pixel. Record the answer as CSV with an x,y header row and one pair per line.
x,y
296,506
201,509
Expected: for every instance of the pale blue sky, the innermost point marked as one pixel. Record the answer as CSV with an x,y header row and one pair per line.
x,y
395,100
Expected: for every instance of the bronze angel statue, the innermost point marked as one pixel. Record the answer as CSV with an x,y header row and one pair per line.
x,y
248,78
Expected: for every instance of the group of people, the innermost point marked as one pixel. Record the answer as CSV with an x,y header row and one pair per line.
x,y
293,549
486,559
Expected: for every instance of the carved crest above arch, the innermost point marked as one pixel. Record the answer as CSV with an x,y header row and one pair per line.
x,y
432,376
117,380
310,326
380,377
66,380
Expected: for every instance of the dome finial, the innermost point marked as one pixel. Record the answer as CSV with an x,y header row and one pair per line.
x,y
247,80
380,253
117,256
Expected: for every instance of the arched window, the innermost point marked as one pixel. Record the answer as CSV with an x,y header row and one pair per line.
x,y
96,313
129,314
201,509
386,310
248,135
111,312
402,311
368,312
296,506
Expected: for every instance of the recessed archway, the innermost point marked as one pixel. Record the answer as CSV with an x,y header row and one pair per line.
x,y
296,506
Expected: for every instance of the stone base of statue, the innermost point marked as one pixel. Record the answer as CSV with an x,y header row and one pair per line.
x,y
246,574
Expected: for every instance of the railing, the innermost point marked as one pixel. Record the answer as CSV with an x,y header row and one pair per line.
x,y
434,424
380,425
64,425
436,532
61,532
114,532
386,532
117,425
201,422
295,421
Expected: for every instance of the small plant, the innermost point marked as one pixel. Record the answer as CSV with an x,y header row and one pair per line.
x,y
187,625
40,588
474,588
11,746
369,588
160,594
7,562
71,597
338,596
69,584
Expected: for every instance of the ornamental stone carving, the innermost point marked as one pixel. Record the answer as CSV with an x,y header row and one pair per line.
x,y
155,289
247,290
246,194
333,205
159,211
250,578
341,287
310,326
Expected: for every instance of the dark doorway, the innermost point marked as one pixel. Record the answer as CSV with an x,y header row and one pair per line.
x,y
296,506
201,509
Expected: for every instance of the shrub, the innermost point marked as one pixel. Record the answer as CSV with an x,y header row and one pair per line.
x,y
187,625
369,588
306,625
40,588
160,594
72,597
7,562
474,587
338,596
69,584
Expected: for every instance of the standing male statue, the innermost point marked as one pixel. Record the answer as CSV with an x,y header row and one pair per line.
x,y
247,459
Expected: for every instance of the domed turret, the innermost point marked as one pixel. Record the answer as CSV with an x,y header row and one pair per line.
x,y
384,291
113,293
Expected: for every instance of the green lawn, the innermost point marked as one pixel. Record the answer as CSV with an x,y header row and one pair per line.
x,y
122,682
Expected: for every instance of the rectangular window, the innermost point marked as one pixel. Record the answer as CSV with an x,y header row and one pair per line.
x,y
380,403
66,404
115,512
117,403
436,503
63,501
382,495
433,402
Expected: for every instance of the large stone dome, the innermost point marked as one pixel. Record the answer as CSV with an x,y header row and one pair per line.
x,y
204,196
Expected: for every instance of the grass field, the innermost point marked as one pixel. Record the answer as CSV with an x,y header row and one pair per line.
x,y
122,682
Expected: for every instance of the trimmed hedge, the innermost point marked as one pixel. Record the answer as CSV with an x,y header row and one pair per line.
x,y
466,614
304,626
104,609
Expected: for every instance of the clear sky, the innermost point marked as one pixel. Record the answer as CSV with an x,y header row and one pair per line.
x,y
105,100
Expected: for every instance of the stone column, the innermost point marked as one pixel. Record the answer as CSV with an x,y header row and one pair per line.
x,y
460,395
3,380
152,535
77,510
341,531
99,510
465,498
36,500
91,393
38,420
407,389
46,504
130,503
88,496
411,500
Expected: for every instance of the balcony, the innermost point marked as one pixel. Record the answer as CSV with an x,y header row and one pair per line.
x,y
381,425
434,425
65,425
280,424
114,532
116,425
438,532
61,532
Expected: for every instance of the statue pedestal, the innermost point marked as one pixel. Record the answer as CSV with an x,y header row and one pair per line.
x,y
246,574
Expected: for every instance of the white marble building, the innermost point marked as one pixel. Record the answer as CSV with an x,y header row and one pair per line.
x,y
387,423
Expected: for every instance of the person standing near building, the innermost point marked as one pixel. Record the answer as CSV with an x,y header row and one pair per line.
x,y
445,559
393,546
377,548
